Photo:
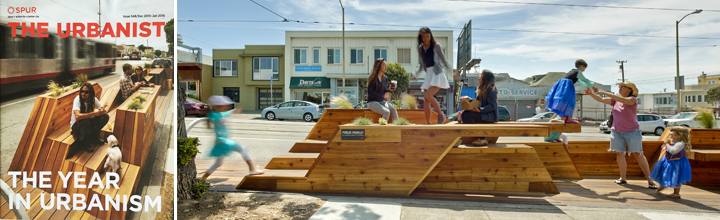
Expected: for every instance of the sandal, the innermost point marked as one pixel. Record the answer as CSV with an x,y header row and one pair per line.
x,y
652,186
620,181
673,196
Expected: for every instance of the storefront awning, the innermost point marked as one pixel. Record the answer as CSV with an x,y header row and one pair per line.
x,y
309,83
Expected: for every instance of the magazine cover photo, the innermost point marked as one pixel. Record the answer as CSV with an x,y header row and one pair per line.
x,y
86,109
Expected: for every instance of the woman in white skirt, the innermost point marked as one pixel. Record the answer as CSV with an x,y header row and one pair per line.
x,y
432,61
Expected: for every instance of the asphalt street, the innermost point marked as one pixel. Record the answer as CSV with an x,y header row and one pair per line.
x,y
15,111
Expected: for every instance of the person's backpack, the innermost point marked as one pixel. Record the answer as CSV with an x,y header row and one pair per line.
x,y
610,120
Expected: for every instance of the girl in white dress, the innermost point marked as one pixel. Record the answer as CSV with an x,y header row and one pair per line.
x,y
432,61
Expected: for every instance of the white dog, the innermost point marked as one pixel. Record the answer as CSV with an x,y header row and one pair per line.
x,y
114,156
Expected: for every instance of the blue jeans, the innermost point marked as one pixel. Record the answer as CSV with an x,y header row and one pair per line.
x,y
633,140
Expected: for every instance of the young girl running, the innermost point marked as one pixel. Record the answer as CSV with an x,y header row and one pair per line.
x,y
561,98
223,145
673,170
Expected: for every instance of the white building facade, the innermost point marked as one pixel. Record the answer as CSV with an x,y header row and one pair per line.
x,y
315,66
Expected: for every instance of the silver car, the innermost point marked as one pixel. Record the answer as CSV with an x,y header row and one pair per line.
x,y
648,124
304,110
542,117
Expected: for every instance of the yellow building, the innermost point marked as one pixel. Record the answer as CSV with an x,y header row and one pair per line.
x,y
695,96
708,79
244,75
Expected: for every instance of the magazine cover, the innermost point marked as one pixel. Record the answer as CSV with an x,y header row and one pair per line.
x,y
86,99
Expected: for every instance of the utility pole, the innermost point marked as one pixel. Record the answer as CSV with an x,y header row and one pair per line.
x,y
622,68
343,43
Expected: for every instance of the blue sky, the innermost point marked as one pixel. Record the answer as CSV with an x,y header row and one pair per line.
x,y
651,61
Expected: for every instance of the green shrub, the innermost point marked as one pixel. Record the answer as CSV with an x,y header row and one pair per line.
x,y
200,188
706,119
409,102
341,102
55,89
401,121
188,149
135,105
140,99
80,79
362,121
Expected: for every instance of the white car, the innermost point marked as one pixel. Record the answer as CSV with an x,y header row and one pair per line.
x,y
686,119
126,57
648,124
542,117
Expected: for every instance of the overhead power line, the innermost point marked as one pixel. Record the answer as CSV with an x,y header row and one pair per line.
x,y
587,6
271,11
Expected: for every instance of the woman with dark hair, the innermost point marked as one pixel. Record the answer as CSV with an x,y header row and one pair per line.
x,y
431,57
137,77
486,93
87,119
378,90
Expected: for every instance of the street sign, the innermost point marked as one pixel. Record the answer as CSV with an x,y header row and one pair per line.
x,y
680,84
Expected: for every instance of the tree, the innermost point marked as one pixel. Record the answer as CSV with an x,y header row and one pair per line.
x,y
185,173
397,72
142,48
713,96
158,53
170,35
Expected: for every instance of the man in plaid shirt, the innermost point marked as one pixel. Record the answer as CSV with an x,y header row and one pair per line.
x,y
126,84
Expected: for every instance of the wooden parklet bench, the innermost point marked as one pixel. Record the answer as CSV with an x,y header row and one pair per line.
x,y
45,144
398,159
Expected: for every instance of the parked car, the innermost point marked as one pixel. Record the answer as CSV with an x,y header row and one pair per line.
x,y
144,58
304,110
504,114
542,117
126,57
165,62
195,107
648,124
686,119
134,57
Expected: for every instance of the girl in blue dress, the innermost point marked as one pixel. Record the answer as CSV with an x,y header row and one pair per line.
x,y
673,170
223,145
561,98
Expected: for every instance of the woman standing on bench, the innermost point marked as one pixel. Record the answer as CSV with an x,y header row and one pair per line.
x,y
378,90
431,58
625,128
88,118
486,93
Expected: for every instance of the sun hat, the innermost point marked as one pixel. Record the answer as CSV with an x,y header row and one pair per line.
x,y
631,86
219,100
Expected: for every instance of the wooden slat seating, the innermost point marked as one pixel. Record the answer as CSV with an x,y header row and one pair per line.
x,y
553,127
592,158
135,133
704,156
35,211
129,178
47,137
555,158
495,168
393,160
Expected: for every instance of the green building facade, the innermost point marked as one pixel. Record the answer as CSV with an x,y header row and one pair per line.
x,y
245,75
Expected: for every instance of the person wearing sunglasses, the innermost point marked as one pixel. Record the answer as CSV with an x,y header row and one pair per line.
x,y
89,116
138,78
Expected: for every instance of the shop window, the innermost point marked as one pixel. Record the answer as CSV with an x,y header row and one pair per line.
x,y
265,67
233,93
225,67
190,88
333,56
381,53
356,56
300,56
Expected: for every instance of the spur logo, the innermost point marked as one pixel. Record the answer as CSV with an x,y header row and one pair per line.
x,y
20,10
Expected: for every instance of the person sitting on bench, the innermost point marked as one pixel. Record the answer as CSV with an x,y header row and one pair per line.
x,y
88,118
127,87
486,93
138,77
379,91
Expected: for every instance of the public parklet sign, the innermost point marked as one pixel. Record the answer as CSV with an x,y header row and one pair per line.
x,y
309,83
